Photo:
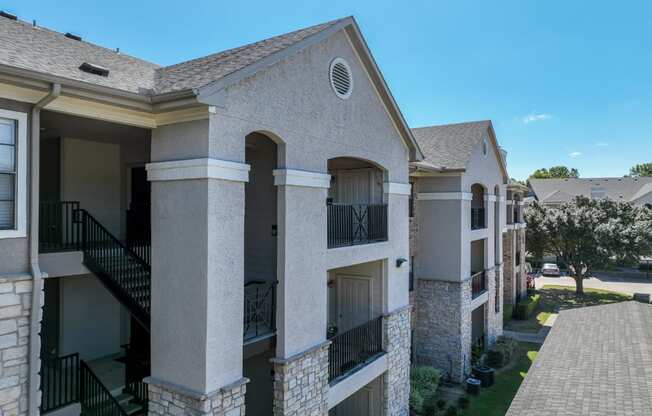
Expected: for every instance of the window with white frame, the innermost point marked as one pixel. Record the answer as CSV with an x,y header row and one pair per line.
x,y
13,174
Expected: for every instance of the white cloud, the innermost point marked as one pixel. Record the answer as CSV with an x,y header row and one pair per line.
x,y
575,155
532,117
602,144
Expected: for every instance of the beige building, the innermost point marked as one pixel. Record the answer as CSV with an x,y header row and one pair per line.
x,y
222,235
456,236
514,248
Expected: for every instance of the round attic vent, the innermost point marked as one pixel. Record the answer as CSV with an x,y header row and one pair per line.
x,y
341,80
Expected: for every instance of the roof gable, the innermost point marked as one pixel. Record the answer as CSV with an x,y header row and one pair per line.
x,y
449,147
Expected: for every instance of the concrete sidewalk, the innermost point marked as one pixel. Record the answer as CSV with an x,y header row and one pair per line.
x,y
604,281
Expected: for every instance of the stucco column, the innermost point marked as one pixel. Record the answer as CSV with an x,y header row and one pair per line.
x,y
301,362
197,274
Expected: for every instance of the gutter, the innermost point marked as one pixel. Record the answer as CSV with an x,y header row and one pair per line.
x,y
35,270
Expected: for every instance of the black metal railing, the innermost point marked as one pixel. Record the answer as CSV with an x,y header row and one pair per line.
x,y
142,248
59,382
516,214
478,284
59,226
356,224
477,218
259,309
94,397
120,269
137,368
350,350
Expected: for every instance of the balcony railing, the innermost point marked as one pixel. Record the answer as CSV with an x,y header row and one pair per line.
x,y
515,218
478,284
350,225
59,382
59,226
354,348
259,309
477,218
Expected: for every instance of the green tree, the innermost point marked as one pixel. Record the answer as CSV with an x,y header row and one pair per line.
x,y
644,169
588,234
555,172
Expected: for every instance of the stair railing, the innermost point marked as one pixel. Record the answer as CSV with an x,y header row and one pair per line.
x,y
94,397
59,382
125,273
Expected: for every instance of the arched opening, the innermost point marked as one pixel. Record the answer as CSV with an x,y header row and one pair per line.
x,y
357,213
260,260
478,220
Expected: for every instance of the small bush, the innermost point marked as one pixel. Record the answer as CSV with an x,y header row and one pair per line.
x,y
451,411
463,402
424,381
526,306
501,352
441,404
508,311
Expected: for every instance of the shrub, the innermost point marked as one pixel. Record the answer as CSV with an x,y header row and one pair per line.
x,y
451,411
463,402
501,352
508,310
526,306
441,404
424,381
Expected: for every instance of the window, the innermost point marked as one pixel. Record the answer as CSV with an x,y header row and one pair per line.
x,y
13,174
597,192
411,201
518,258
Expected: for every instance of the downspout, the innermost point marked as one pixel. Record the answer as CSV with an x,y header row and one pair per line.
x,y
37,281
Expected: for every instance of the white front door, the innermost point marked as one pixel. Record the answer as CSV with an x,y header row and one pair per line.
x,y
354,302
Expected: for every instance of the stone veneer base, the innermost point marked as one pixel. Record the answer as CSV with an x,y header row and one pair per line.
x,y
396,382
166,400
301,383
15,311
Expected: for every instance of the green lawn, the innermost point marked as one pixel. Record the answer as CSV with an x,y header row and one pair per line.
x,y
555,298
495,400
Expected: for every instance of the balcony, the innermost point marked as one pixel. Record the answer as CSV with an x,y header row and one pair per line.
x,y
353,349
350,225
478,284
477,219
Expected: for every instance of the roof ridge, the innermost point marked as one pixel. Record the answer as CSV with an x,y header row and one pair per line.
x,y
247,45
453,124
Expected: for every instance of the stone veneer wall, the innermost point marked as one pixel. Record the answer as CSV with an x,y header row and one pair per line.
x,y
443,328
396,383
169,401
301,383
520,236
414,249
509,280
15,309
494,320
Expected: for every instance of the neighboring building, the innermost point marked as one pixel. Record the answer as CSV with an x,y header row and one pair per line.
x,y
553,192
514,251
456,244
595,361
222,234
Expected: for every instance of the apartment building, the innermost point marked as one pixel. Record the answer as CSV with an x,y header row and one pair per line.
x,y
554,192
514,248
456,235
222,235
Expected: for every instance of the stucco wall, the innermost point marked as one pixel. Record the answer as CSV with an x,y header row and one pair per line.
x,y
90,318
291,102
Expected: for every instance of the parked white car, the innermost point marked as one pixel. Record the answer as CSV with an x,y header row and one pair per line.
x,y
550,269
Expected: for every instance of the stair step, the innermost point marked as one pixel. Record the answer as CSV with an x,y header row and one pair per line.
x,y
132,408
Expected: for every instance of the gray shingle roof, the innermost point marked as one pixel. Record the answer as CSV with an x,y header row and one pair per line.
x,y
48,52
45,51
450,146
618,189
202,71
595,361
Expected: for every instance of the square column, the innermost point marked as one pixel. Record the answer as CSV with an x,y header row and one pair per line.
x,y
197,286
301,363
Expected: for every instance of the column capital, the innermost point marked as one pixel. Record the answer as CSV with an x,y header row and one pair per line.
x,y
305,178
204,168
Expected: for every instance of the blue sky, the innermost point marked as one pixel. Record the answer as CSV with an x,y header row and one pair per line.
x,y
565,82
